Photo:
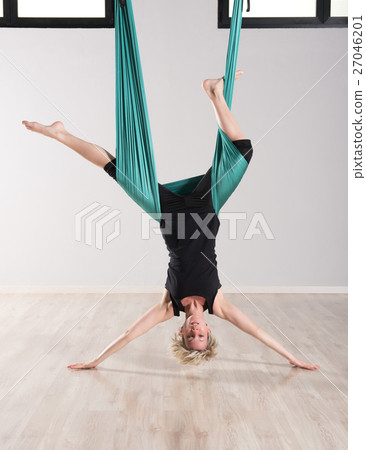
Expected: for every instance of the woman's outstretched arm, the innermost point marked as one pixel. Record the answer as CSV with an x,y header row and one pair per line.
x,y
161,312
92,152
228,311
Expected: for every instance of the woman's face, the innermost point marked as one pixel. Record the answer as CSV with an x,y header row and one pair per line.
x,y
195,332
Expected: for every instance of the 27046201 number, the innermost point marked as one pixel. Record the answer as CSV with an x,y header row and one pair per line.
x,y
357,45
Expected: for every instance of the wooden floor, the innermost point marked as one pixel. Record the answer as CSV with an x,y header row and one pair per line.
x,y
249,397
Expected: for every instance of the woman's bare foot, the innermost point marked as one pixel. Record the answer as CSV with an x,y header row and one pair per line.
x,y
215,87
52,131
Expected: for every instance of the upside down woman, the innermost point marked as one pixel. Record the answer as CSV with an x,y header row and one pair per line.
x,y
192,284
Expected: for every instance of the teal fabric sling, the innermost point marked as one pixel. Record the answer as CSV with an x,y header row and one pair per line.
x,y
135,163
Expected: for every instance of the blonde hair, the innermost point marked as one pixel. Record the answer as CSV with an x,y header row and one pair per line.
x,y
192,357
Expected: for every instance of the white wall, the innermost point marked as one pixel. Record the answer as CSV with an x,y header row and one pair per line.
x,y
297,177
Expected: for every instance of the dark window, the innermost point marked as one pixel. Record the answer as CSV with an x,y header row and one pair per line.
x,y
100,13
287,13
60,14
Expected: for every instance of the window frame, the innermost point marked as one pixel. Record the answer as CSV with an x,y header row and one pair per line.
x,y
11,19
322,19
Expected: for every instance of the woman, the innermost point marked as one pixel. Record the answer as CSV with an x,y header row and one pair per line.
x,y
192,284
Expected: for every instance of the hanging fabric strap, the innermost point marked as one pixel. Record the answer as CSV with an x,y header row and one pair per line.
x,y
135,163
228,165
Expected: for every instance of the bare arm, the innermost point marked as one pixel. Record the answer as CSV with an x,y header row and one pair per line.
x,y
161,312
228,311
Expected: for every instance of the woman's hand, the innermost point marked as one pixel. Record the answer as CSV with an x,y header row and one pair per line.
x,y
83,365
303,364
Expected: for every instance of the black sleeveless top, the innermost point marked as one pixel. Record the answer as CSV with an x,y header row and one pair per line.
x,y
189,227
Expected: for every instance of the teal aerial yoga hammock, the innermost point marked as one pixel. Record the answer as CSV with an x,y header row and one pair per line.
x,y
135,163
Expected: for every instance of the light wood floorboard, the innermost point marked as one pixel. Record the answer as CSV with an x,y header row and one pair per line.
x,y
249,397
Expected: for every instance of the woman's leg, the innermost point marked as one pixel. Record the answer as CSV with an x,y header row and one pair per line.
x,y
92,152
214,89
233,150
